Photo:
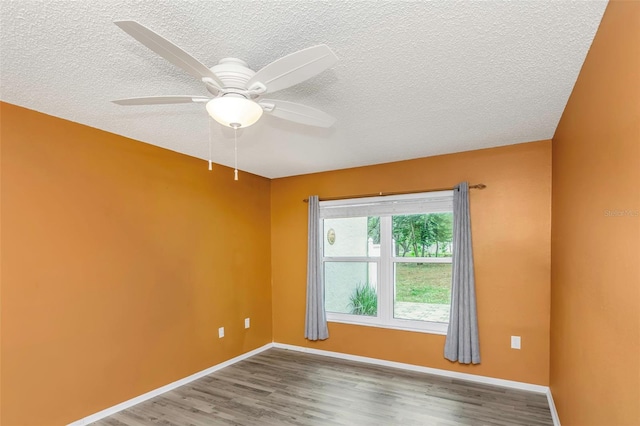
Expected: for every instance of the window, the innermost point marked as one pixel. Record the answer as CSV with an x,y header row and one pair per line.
x,y
387,260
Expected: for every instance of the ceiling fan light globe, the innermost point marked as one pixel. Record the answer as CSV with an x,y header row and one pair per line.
x,y
234,111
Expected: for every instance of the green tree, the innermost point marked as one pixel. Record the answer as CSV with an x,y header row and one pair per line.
x,y
401,232
373,228
415,234
443,229
427,233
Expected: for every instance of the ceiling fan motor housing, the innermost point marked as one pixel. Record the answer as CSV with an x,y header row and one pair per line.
x,y
234,73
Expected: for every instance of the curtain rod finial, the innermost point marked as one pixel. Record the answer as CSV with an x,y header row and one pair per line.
x,y
480,186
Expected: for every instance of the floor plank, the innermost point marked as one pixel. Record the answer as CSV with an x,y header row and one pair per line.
x,y
281,387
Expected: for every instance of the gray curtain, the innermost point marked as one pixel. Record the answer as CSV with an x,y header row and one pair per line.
x,y
462,336
315,326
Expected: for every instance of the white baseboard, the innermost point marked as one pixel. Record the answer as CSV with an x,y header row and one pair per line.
x,y
446,373
552,407
151,394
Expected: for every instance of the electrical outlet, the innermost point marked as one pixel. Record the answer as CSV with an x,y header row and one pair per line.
x,y
221,332
247,323
515,342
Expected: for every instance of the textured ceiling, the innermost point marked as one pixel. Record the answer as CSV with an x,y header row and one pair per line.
x,y
413,79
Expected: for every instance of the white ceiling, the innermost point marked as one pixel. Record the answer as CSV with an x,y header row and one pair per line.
x,y
413,79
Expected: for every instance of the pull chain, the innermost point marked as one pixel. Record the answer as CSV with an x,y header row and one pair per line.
x,y
235,149
210,136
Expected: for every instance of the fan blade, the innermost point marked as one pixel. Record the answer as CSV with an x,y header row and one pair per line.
x,y
297,112
161,100
168,50
294,68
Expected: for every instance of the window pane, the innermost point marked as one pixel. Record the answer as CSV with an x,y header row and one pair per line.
x,y
422,291
352,236
351,287
423,235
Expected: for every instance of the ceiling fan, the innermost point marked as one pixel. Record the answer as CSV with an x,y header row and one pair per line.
x,y
236,90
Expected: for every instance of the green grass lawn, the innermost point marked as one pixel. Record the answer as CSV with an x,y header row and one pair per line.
x,y
425,283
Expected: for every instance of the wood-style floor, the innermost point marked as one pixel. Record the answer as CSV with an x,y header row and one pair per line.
x,y
281,387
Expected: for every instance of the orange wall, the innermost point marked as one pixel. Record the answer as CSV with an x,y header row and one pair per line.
x,y
120,260
511,222
595,314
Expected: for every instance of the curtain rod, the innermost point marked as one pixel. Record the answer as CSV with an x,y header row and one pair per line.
x,y
384,194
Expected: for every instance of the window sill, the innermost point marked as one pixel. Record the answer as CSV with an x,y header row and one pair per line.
x,y
427,327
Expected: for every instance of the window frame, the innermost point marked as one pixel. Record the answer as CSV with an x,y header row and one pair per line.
x,y
434,202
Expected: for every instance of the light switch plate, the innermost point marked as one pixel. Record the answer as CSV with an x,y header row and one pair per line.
x,y
221,332
247,323
515,342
